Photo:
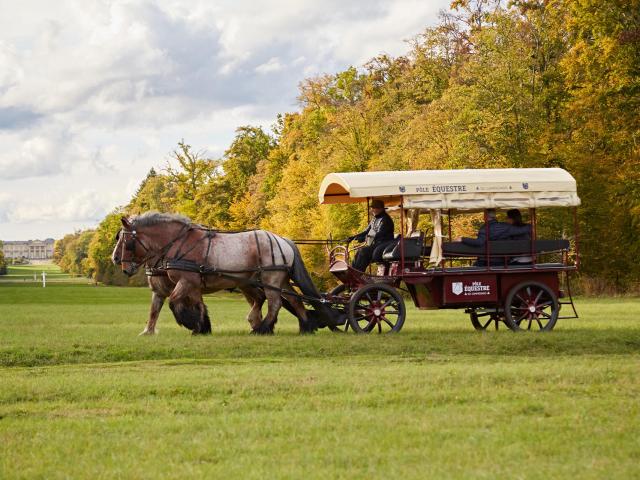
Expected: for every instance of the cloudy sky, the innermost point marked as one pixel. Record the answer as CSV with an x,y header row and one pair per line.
x,y
93,93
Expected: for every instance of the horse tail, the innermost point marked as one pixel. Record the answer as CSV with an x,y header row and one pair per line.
x,y
321,313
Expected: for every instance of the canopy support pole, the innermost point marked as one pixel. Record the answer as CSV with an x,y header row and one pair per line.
x,y
401,236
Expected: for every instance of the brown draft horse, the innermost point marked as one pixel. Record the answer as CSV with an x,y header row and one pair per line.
x,y
189,260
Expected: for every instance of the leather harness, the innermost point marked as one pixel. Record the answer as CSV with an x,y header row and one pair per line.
x,y
162,265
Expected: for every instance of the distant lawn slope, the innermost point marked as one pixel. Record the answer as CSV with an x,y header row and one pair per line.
x,y
25,274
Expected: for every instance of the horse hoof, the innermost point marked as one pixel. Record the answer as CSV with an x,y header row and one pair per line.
x,y
147,332
263,329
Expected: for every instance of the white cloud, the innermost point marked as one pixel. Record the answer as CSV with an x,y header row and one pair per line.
x,y
94,93
86,206
273,65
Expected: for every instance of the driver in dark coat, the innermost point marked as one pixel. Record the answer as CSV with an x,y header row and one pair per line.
x,y
377,236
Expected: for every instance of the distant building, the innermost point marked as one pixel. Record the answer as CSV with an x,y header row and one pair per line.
x,y
30,249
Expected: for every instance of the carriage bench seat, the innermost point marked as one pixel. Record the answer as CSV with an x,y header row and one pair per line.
x,y
414,248
503,247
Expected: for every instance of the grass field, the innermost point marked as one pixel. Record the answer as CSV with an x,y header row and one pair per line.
x,y
84,397
33,274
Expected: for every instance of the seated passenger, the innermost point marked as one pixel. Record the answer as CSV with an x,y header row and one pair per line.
x,y
514,217
497,231
377,236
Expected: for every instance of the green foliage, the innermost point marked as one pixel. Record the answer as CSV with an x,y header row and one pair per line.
x,y
71,253
494,84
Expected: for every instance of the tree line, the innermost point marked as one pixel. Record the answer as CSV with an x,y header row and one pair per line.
x,y
530,84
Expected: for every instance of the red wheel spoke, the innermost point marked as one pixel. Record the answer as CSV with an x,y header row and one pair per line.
x,y
538,296
388,323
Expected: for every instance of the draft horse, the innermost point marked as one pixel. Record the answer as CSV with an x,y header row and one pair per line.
x,y
185,260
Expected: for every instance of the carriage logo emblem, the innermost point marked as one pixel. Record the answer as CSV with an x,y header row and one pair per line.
x,y
456,288
525,186
402,188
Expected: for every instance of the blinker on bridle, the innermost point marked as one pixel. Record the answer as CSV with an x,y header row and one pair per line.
x,y
129,245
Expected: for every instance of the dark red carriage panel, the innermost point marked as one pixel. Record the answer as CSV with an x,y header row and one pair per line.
x,y
426,292
469,289
508,281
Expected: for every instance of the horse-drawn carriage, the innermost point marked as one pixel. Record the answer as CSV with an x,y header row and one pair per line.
x,y
517,282
486,280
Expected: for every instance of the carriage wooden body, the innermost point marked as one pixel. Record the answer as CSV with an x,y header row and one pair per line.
x,y
440,275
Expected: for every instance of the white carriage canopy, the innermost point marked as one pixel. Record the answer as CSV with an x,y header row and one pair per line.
x,y
465,189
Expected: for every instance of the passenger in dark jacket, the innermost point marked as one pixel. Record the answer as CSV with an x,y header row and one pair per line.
x,y
377,236
497,231
514,217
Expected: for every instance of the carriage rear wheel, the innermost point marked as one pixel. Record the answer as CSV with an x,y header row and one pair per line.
x,y
531,306
483,320
376,307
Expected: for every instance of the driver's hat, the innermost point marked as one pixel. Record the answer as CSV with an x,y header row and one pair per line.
x,y
377,203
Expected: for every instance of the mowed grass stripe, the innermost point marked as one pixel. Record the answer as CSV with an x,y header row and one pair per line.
x,y
322,418
87,324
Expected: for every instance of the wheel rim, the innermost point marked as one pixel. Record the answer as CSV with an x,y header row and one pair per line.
x,y
484,320
377,310
532,307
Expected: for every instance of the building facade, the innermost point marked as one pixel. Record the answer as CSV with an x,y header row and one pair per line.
x,y
30,249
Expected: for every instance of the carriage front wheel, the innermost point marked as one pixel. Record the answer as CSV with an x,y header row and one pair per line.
x,y
344,293
376,307
531,305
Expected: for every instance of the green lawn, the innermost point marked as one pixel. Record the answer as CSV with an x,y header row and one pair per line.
x,y
84,397
25,274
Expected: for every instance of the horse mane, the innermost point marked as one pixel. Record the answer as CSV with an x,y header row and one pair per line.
x,y
149,219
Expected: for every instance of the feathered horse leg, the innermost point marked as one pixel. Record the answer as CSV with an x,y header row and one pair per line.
x,y
188,307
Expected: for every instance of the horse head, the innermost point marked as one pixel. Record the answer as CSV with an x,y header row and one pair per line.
x,y
128,252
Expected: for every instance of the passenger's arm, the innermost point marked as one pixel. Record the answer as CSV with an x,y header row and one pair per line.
x,y
475,242
515,231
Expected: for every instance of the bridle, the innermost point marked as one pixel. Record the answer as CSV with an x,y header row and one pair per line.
x,y
129,245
